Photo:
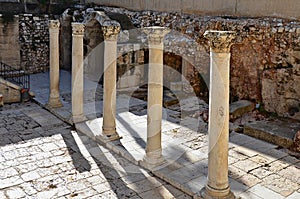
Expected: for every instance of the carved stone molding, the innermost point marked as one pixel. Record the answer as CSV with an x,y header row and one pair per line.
x,y
156,34
220,41
54,24
111,30
78,29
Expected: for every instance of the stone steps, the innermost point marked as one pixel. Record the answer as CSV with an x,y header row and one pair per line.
x,y
278,131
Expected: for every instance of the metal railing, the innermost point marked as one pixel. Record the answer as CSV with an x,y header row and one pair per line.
x,y
15,76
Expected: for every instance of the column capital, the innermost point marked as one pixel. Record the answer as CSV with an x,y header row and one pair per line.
x,y
111,30
220,41
77,29
54,24
156,34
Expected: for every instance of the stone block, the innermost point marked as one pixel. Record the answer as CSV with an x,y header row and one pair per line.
x,y
278,132
238,108
11,93
264,192
280,184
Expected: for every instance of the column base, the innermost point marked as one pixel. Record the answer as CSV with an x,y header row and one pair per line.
x,y
211,193
54,103
110,134
78,118
153,159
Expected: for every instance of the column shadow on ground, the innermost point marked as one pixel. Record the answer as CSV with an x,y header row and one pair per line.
x,y
126,179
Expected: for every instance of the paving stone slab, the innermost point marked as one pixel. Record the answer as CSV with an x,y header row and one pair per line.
x,y
278,132
295,195
264,192
280,184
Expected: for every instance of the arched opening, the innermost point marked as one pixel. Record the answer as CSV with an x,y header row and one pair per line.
x,y
93,50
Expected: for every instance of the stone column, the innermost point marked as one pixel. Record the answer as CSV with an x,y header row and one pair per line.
x,y
217,185
77,72
153,155
110,33
54,98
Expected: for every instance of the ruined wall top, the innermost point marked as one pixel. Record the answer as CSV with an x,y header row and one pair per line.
x,y
255,8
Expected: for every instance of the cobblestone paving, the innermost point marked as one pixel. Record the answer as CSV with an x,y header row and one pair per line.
x,y
42,157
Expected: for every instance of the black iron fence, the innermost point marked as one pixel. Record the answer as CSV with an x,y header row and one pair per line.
x,y
15,76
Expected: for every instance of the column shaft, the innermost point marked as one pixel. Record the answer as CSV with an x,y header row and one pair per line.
x,y
77,73
155,97
153,155
109,84
218,128
110,32
218,120
54,98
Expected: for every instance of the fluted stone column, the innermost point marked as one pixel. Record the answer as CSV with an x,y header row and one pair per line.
x,y
110,32
77,72
54,98
217,181
153,155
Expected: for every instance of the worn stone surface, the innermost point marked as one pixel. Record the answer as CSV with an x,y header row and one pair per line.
x,y
280,184
47,160
10,92
251,160
238,108
278,132
9,41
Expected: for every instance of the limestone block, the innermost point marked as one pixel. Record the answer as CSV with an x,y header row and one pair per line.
x,y
11,93
280,91
277,132
240,107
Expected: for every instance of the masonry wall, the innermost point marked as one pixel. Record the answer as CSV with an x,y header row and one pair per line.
x,y
9,42
265,63
24,42
34,42
253,8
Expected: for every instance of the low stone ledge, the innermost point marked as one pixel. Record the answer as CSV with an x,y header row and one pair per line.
x,y
238,108
279,132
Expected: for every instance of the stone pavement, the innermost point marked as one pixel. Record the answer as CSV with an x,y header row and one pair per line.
x,y
43,157
256,169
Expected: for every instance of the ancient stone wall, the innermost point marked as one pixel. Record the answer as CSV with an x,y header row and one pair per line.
x,y
253,8
9,41
265,60
34,42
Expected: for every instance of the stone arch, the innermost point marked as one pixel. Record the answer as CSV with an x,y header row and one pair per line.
x,y
194,62
93,43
